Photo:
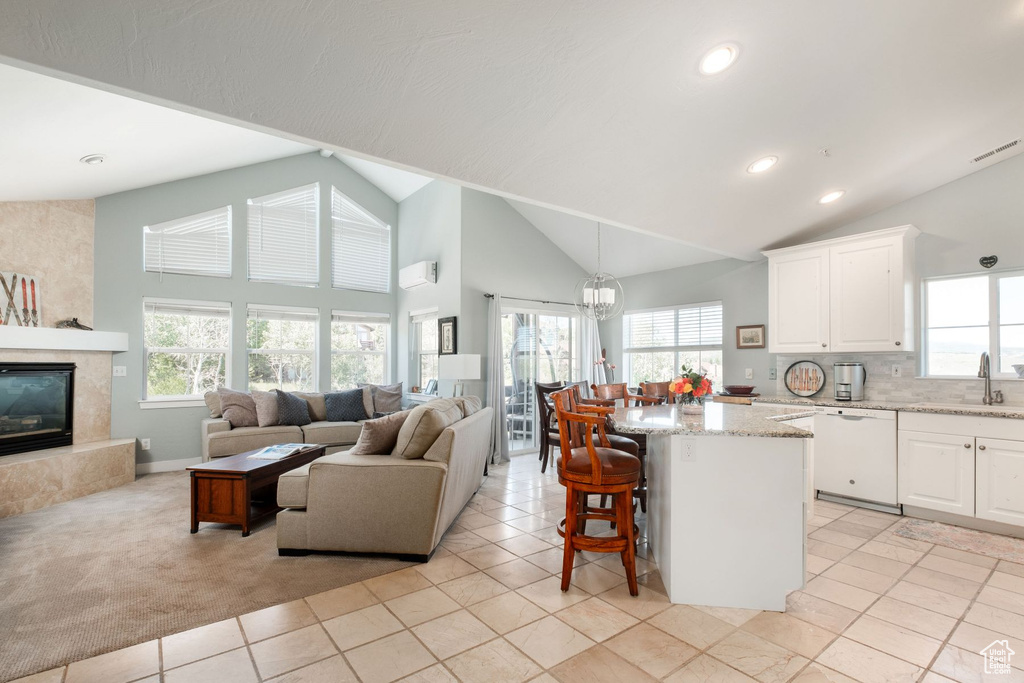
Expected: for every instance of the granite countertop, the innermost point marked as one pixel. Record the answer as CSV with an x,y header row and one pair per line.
x,y
979,410
717,419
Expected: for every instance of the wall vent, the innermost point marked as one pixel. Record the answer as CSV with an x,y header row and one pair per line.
x,y
997,150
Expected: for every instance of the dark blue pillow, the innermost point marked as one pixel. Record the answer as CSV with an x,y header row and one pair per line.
x,y
345,406
291,409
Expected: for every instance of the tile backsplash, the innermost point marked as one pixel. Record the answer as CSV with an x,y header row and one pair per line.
x,y
882,386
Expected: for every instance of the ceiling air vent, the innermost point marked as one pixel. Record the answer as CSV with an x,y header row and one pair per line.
x,y
997,150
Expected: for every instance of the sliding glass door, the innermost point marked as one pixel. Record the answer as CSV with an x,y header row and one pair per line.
x,y
538,346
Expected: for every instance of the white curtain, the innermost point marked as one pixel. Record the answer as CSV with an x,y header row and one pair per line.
x,y
496,382
590,352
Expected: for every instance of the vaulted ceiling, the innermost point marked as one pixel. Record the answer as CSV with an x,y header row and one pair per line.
x,y
593,106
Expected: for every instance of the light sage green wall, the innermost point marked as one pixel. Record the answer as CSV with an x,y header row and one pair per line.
x,y
431,221
742,288
121,283
503,252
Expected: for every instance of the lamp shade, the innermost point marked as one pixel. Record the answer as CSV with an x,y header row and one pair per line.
x,y
459,366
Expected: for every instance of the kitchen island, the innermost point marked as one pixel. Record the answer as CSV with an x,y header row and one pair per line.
x,y
725,501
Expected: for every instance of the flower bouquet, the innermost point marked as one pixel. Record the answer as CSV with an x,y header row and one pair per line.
x,y
690,388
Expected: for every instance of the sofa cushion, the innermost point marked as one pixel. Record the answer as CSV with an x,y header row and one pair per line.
x,y
346,406
293,487
238,408
424,424
242,439
266,407
332,433
212,399
469,404
380,436
316,405
389,401
292,409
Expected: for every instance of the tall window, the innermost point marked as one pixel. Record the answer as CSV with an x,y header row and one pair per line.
x,y
283,237
187,347
359,349
194,245
360,247
657,343
282,348
425,345
967,315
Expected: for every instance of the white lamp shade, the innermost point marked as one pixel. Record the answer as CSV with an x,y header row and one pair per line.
x,y
459,366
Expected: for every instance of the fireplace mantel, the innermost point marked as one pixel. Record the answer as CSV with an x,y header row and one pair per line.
x,y
52,339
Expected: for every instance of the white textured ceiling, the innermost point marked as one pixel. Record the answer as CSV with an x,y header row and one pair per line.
x,y
393,182
623,252
47,125
595,106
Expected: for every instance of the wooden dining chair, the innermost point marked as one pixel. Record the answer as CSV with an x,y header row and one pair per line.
x,y
588,465
656,389
546,416
620,392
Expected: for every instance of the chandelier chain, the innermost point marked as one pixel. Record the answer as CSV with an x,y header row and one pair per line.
x,y
599,248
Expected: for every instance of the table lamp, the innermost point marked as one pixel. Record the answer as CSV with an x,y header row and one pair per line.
x,y
459,367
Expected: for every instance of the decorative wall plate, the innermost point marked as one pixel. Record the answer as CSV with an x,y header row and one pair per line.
x,y
805,378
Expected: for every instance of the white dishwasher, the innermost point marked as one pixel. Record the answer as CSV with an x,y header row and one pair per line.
x,y
855,455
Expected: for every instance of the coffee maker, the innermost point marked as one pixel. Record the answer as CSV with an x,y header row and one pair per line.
x,y
849,381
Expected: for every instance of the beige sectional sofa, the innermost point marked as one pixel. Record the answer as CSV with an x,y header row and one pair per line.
x,y
384,503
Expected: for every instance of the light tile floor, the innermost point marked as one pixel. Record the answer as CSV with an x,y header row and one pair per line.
x,y
487,608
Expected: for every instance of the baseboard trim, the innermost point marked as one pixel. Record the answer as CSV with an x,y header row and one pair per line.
x,y
165,465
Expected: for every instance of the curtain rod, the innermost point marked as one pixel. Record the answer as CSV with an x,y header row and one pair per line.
x,y
519,298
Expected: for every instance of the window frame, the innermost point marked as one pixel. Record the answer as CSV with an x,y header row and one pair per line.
x,y
337,243
157,230
369,318
676,348
315,351
184,399
994,341
254,201
417,320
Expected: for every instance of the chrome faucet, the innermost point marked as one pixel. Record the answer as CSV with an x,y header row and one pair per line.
x,y
985,373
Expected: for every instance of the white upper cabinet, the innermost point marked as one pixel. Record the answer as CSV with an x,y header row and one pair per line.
x,y
851,294
798,304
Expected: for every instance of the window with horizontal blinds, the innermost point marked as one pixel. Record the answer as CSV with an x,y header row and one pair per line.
x,y
186,348
360,247
283,237
193,245
656,344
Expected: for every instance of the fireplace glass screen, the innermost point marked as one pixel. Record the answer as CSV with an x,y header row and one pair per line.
x,y
35,406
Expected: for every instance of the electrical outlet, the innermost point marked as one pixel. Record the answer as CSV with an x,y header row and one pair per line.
x,y
689,450
145,444
749,373
772,373
897,370
120,371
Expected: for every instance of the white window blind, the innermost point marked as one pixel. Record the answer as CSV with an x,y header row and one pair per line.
x,y
700,326
255,312
283,237
364,318
193,245
656,344
650,329
361,247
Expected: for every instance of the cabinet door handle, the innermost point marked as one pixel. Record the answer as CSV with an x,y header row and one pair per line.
x,y
981,448
823,344
898,343
967,445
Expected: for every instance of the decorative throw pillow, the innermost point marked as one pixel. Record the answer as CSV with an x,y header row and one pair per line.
x,y
368,400
292,409
345,406
385,403
212,399
238,408
379,436
315,402
424,424
266,407
469,404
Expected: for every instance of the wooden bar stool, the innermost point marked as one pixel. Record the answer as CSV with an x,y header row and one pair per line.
x,y
584,469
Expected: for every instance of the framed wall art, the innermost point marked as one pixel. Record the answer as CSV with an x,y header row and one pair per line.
x,y
447,336
21,304
750,337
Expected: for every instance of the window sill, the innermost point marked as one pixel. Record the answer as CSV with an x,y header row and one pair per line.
x,y
421,398
153,404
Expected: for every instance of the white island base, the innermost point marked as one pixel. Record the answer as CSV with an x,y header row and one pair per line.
x,y
725,518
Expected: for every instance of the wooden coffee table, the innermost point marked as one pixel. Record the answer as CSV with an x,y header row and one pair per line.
x,y
240,490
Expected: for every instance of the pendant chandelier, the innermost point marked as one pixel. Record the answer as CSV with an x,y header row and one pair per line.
x,y
599,296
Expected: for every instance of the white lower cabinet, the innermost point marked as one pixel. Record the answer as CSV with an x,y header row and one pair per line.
x,y
1000,478
936,472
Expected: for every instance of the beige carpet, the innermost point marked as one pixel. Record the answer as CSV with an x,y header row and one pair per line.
x,y
119,567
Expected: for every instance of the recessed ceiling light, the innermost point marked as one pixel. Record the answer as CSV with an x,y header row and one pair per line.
x,y
718,60
762,165
831,196
93,159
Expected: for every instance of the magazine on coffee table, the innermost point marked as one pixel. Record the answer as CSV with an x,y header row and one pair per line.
x,y
280,451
